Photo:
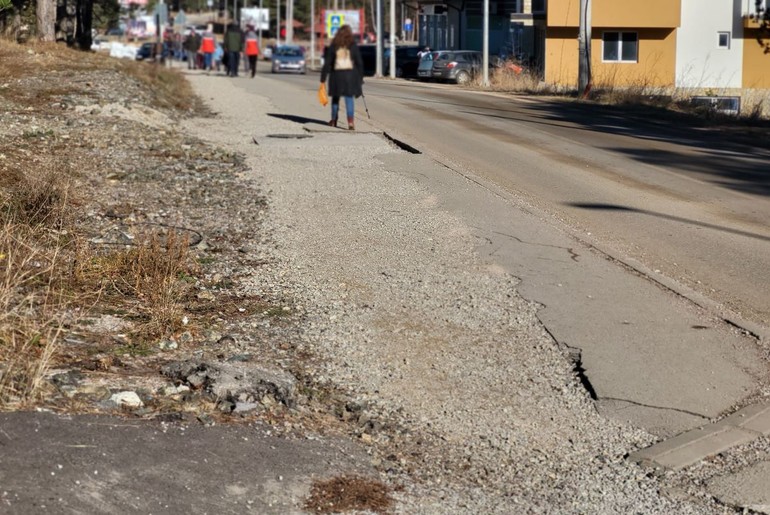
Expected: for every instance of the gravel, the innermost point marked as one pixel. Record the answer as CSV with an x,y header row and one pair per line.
x,y
470,406
397,334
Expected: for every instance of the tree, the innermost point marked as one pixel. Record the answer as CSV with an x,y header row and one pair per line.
x,y
85,16
762,17
46,20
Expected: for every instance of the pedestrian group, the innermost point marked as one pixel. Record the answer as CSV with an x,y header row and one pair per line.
x,y
343,66
203,52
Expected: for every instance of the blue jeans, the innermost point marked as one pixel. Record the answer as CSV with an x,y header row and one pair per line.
x,y
207,61
350,106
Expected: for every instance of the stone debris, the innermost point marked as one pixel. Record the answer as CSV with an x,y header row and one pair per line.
x,y
236,382
127,399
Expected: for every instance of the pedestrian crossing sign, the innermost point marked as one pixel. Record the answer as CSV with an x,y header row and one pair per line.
x,y
334,20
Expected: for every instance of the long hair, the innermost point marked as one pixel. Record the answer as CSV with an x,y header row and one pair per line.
x,y
343,38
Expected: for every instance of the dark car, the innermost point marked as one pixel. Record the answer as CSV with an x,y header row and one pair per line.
x,y
145,51
459,66
369,57
407,60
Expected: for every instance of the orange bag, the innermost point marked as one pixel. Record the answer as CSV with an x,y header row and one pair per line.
x,y
322,96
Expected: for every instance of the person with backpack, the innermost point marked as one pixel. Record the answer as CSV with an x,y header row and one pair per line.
x,y
233,47
344,68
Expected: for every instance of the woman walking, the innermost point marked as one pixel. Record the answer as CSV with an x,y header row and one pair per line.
x,y
345,69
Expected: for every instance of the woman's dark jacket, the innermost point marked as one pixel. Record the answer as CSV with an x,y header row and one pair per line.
x,y
343,83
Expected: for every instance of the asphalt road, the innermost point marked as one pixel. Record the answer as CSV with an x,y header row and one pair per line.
x,y
689,203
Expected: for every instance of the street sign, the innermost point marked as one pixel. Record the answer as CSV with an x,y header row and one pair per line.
x,y
258,18
161,11
334,23
180,20
333,20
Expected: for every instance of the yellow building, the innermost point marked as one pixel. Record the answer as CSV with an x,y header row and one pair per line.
x,y
691,44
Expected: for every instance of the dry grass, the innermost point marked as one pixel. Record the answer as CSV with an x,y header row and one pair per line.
x,y
167,87
30,311
147,280
510,81
49,273
35,200
348,493
170,88
37,197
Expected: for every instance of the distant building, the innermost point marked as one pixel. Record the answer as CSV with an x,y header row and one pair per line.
x,y
692,44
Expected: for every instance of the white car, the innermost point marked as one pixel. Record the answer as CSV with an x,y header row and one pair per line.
x,y
100,44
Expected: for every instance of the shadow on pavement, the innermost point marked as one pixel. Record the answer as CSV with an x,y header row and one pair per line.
x,y
614,207
298,119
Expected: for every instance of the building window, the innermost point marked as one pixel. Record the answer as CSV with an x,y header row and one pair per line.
x,y
724,40
620,47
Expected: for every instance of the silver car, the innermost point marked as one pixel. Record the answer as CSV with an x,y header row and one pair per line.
x,y
288,58
425,68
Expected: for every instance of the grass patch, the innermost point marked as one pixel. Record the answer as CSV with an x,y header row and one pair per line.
x,y
508,80
149,279
51,275
348,493
31,314
165,88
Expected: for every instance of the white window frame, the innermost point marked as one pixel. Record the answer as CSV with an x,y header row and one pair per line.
x,y
620,59
719,39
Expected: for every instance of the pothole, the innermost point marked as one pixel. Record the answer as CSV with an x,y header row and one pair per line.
x,y
290,136
575,356
400,144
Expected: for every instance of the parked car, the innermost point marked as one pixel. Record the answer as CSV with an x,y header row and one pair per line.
x,y
425,67
145,51
116,31
459,66
407,61
369,57
267,52
100,43
288,58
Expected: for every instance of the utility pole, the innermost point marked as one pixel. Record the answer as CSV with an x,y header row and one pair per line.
x,y
584,49
289,22
378,68
485,47
312,33
260,25
393,29
278,24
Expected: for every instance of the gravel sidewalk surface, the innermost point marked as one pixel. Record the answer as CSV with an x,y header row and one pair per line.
x,y
480,411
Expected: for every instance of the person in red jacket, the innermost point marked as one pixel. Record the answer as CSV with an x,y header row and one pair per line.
x,y
208,46
252,49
